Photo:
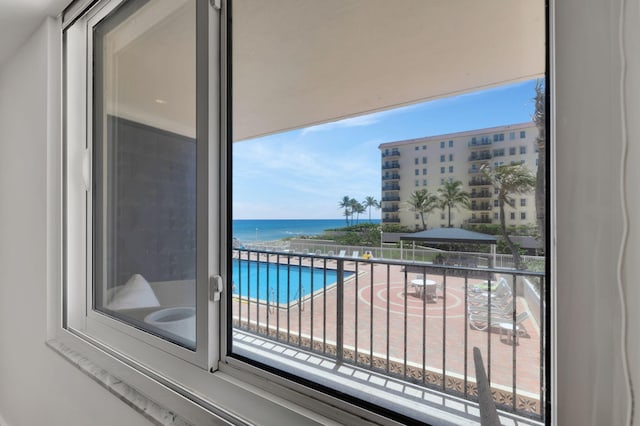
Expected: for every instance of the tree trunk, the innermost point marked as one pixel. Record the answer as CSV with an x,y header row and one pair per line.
x,y
449,206
517,259
424,225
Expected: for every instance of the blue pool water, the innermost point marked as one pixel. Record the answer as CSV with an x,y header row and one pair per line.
x,y
278,283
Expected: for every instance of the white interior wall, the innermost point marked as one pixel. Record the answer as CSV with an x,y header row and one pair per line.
x,y
37,386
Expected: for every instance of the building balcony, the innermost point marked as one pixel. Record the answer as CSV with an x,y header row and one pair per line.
x,y
391,166
479,182
391,220
391,198
391,177
483,156
390,154
390,209
480,144
481,207
481,194
392,187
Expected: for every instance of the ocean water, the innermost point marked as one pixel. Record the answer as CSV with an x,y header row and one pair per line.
x,y
277,229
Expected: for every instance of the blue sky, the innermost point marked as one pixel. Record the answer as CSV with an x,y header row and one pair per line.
x,y
303,174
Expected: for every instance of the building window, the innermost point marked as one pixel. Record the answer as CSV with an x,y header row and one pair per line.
x,y
496,203
424,182
523,202
417,216
450,144
416,148
512,215
417,171
442,169
496,191
442,216
424,160
416,161
417,183
450,169
523,216
424,147
498,152
442,181
512,135
512,150
424,171
523,134
443,158
523,150
442,144
496,215
450,157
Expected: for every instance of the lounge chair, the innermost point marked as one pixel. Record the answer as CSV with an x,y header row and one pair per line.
x,y
342,253
481,321
330,253
502,292
318,252
355,254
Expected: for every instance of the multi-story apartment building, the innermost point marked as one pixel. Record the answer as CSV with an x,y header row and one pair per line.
x,y
429,162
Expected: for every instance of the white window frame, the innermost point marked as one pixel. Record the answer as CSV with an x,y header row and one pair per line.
x,y
164,372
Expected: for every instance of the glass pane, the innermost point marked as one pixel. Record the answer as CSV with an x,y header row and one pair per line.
x,y
144,205
378,236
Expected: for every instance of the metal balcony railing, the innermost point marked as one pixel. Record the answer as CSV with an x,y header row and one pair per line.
x,y
480,156
479,182
391,177
390,198
412,321
390,209
481,194
393,153
390,166
391,187
481,207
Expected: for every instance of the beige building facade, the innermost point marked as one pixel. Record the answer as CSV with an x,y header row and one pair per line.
x,y
427,163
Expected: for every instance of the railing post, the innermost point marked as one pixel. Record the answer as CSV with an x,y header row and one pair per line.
x,y
340,312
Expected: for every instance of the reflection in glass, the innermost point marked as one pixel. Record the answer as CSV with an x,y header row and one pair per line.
x,y
144,147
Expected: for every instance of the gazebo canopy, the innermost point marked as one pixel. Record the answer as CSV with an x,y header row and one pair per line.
x,y
449,235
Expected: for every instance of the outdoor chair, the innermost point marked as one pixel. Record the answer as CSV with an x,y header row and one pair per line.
x,y
497,309
342,253
501,292
355,254
481,321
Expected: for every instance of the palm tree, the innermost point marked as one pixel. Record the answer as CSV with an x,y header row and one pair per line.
x,y
345,204
510,179
451,194
540,118
371,202
357,208
423,203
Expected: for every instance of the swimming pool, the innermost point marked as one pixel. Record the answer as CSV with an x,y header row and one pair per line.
x,y
279,283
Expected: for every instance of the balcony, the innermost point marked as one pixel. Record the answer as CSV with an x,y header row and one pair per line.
x,y
391,166
390,209
391,220
481,156
481,194
375,324
479,182
392,153
391,177
391,198
391,187
481,207
480,143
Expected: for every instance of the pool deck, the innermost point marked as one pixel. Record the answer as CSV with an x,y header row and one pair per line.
x,y
379,297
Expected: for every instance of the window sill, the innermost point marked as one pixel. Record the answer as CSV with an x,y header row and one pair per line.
x,y
120,389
